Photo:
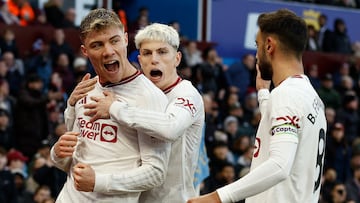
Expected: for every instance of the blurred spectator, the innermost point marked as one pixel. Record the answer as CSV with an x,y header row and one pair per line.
x,y
348,115
353,184
313,75
223,175
211,120
312,41
15,72
17,162
42,194
344,69
245,159
118,8
63,68
59,45
192,54
330,115
69,20
8,43
210,75
23,10
57,93
40,62
328,182
176,25
7,102
31,103
240,75
7,17
231,127
340,41
44,171
7,184
346,85
80,66
327,92
6,137
54,13
22,194
250,106
338,152
339,193
141,20
324,33
40,18
241,143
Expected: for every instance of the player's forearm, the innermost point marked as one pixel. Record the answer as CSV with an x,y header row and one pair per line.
x,y
61,163
275,170
162,125
137,180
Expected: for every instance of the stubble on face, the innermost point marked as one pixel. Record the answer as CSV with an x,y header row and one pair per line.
x,y
265,66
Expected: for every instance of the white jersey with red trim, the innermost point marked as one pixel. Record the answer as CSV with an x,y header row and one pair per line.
x,y
182,123
289,148
126,161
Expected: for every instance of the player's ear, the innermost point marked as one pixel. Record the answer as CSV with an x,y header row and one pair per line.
x,y
83,50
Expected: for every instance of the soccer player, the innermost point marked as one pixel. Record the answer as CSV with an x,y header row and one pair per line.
x,y
181,123
289,146
107,161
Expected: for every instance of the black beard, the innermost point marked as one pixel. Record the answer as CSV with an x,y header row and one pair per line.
x,y
266,70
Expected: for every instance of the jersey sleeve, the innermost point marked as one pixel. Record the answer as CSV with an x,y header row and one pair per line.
x,y
179,115
270,173
263,98
152,172
61,163
69,117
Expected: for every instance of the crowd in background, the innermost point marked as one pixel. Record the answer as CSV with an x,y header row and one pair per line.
x,y
34,90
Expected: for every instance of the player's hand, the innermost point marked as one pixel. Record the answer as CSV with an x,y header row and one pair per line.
x,y
65,146
208,198
84,177
85,85
100,108
261,83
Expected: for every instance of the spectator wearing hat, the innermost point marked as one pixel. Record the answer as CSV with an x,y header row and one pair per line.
x,y
80,66
327,92
17,161
7,185
338,152
349,116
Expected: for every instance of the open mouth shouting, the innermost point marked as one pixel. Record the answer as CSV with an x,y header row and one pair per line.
x,y
155,75
112,66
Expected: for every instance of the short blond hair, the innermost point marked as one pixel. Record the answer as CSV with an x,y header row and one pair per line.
x,y
158,32
99,19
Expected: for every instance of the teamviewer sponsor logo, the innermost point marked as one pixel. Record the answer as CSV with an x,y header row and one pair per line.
x,y
97,131
108,133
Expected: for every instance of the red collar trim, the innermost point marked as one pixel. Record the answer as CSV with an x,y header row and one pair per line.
x,y
168,89
125,80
